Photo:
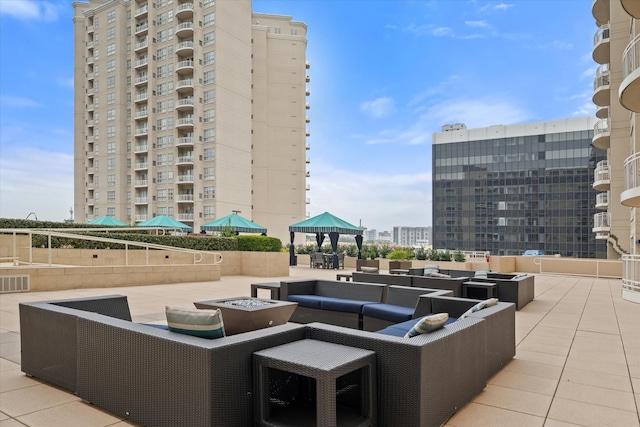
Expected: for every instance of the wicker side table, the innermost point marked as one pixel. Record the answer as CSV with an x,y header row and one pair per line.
x,y
344,379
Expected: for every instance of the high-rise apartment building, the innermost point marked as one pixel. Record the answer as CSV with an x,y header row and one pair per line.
x,y
191,110
506,189
616,94
408,236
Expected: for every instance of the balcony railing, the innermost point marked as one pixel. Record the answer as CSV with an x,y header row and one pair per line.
x,y
185,7
143,217
141,182
144,9
141,45
185,217
631,277
184,140
188,121
602,200
184,45
602,222
602,171
184,159
143,165
141,28
141,62
630,86
185,178
184,83
601,134
185,26
185,102
142,79
141,148
631,194
185,198
141,114
142,200
142,131
142,97
184,64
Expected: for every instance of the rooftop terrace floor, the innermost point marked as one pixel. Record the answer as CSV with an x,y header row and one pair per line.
x,y
577,361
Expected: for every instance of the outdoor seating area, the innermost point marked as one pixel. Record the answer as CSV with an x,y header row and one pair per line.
x,y
323,260
576,333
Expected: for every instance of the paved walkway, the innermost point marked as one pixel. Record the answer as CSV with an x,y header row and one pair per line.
x,y
577,361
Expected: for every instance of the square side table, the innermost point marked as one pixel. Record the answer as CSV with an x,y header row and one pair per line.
x,y
336,370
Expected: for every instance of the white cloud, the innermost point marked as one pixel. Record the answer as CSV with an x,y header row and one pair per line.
x,y
380,201
33,180
31,9
476,112
480,24
379,107
442,31
18,102
504,6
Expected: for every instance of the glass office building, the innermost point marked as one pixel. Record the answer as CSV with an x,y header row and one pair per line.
x,y
507,189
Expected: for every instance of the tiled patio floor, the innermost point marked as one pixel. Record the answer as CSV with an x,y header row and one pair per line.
x,y
577,361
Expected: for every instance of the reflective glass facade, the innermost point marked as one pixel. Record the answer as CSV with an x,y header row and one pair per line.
x,y
507,195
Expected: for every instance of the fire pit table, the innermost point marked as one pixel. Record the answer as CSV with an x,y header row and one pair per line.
x,y
244,314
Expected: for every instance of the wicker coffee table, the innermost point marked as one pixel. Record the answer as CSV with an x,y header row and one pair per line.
x,y
244,314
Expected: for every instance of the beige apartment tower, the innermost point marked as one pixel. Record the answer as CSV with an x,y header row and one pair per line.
x,y
617,97
191,110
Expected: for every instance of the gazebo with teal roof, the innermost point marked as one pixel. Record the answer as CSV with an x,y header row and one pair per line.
x,y
322,224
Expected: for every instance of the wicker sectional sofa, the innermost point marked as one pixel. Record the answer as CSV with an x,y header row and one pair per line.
x,y
156,377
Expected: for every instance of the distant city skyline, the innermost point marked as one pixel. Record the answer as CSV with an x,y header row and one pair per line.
x,y
385,75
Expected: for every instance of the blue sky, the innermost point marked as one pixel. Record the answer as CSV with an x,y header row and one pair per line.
x,y
384,74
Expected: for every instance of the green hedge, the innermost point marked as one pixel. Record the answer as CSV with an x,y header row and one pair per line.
x,y
197,242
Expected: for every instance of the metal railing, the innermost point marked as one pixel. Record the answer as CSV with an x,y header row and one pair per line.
x,y
602,171
631,273
631,57
197,255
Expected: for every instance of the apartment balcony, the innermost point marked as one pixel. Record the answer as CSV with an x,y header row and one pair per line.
x,y
90,154
601,87
601,134
307,132
602,176
184,123
90,29
307,160
185,67
602,224
185,104
142,114
307,201
185,217
601,45
142,63
184,10
90,202
631,194
631,274
91,171
91,185
307,119
141,46
307,78
184,48
142,97
141,148
141,183
184,86
307,106
601,11
184,198
141,29
629,92
307,147
307,187
185,179
184,160
90,59
141,80
143,217
89,76
602,112
602,200
184,29
142,166
90,123
141,12
307,92
632,7
142,131
184,141
90,107
307,65
308,174
142,200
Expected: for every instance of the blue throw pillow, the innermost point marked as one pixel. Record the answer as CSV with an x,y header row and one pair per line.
x,y
199,323
479,306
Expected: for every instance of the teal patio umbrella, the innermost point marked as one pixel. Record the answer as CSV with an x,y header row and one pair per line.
x,y
325,223
163,221
236,223
106,220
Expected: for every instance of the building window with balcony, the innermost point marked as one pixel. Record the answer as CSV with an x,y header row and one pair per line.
x,y
209,135
209,38
209,192
209,77
209,19
111,33
209,58
111,180
209,154
111,196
